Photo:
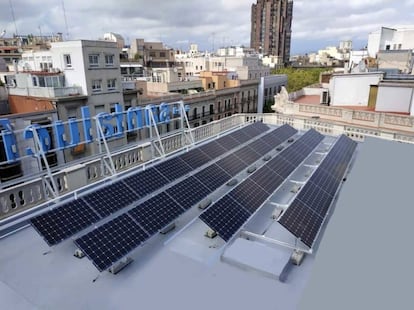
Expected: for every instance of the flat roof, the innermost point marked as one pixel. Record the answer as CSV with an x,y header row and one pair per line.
x,y
364,260
183,270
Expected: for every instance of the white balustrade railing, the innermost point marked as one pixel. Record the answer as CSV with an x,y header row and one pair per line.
x,y
29,194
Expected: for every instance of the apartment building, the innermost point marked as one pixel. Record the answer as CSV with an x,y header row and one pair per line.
x,y
271,27
398,38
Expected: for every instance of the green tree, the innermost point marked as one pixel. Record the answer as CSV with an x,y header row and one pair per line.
x,y
300,78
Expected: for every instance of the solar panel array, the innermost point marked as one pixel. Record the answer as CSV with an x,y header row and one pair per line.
x,y
157,212
228,214
65,221
307,212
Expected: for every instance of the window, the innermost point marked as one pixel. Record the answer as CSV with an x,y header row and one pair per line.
x,y
111,84
34,79
96,85
152,54
8,171
67,60
162,54
51,156
387,47
93,60
109,60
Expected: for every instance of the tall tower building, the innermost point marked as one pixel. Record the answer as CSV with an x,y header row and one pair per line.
x,y
271,28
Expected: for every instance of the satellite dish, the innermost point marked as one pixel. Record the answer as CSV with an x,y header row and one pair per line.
x,y
175,69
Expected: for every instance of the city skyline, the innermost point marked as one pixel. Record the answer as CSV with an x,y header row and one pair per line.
x,y
315,24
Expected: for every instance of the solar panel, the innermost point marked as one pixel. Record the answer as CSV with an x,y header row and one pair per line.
x,y
213,177
279,135
260,147
225,218
306,214
247,155
316,198
228,142
241,136
280,166
173,168
188,192
155,213
253,192
255,129
231,164
249,195
111,198
195,158
302,222
213,149
146,181
110,242
267,179
64,221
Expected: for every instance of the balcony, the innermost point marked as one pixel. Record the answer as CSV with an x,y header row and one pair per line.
x,y
46,92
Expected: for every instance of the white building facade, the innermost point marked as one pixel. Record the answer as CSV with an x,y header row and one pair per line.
x,y
399,38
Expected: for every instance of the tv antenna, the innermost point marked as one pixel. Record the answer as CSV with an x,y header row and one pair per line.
x,y
66,21
12,13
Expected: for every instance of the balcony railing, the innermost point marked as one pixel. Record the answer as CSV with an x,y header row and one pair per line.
x,y
22,198
48,92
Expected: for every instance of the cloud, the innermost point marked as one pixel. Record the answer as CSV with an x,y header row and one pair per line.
x,y
224,22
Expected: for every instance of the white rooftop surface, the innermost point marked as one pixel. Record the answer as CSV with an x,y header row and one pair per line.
x,y
181,270
365,259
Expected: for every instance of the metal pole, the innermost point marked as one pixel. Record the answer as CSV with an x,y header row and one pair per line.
x,y
111,168
39,150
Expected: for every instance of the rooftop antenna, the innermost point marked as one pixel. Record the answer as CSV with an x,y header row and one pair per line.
x,y
66,21
14,19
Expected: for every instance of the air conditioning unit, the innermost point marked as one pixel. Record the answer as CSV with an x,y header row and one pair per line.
x,y
210,234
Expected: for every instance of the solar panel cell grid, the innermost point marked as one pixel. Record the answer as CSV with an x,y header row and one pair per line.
x,y
110,199
306,214
213,149
249,195
110,242
188,192
155,213
302,222
226,218
173,168
195,158
228,142
267,179
146,181
64,221
247,155
212,177
231,164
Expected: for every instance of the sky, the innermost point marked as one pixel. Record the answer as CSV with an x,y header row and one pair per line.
x,y
210,24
